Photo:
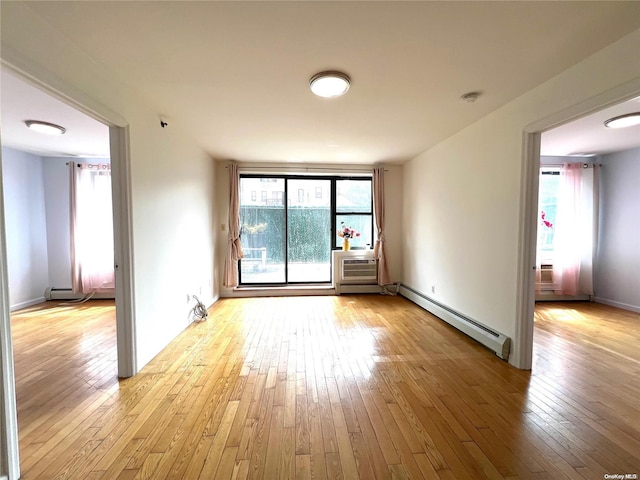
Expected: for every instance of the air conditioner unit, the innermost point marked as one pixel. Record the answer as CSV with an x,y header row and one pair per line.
x,y
359,270
546,273
355,271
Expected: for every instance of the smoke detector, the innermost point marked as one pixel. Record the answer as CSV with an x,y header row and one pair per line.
x,y
470,97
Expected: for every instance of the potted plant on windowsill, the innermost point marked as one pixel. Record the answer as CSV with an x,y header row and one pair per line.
x,y
347,233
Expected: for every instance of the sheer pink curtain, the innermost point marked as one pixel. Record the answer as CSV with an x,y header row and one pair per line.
x,y
384,278
568,234
91,228
234,249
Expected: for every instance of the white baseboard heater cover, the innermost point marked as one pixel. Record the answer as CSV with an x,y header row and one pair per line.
x,y
488,337
68,294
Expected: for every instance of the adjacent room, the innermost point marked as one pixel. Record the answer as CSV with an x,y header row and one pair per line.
x,y
319,239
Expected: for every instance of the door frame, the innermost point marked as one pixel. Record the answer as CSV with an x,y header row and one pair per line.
x,y
123,251
528,222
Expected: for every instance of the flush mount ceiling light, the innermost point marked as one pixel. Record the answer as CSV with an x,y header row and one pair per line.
x,y
330,84
45,127
621,121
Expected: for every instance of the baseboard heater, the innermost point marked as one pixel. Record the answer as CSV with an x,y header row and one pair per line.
x,y
493,340
68,294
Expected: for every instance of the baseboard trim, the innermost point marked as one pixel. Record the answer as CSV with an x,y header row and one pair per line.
x,y
613,303
26,304
243,292
212,300
554,297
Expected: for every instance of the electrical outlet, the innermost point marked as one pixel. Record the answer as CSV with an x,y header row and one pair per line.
x,y
433,289
188,298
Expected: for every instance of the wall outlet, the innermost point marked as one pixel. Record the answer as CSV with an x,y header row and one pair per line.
x,y
433,289
188,298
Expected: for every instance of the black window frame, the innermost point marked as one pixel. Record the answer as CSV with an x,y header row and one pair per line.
x,y
334,193
334,214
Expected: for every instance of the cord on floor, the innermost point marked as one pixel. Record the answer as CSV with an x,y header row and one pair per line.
x,y
199,311
86,298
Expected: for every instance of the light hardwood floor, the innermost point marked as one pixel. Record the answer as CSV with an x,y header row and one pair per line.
x,y
328,387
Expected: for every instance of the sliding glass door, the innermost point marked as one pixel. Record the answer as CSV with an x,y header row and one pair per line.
x,y
263,230
309,230
288,225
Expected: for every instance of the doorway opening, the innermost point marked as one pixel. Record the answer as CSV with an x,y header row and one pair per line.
x,y
118,151
594,108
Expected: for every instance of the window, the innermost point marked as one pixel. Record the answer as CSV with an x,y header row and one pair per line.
x,y
254,196
547,208
354,209
288,236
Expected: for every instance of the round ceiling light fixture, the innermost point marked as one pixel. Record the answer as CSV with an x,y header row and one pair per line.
x,y
45,127
622,121
330,84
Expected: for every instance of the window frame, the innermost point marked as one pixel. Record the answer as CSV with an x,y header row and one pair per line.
x,y
333,212
547,254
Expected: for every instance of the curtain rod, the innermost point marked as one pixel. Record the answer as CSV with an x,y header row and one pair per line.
x,y
560,165
308,168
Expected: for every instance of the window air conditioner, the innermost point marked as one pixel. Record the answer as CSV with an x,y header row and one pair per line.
x,y
362,271
546,273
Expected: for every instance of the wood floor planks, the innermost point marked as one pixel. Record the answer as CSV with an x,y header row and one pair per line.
x,y
345,387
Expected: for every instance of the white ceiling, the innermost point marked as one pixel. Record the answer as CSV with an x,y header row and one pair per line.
x,y
20,101
235,74
588,136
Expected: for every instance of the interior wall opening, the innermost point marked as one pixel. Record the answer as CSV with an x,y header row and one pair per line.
x,y
602,200
37,201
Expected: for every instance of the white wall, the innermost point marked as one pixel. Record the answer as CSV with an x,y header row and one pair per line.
x,y
172,180
617,279
393,230
393,179
173,189
56,195
462,198
26,227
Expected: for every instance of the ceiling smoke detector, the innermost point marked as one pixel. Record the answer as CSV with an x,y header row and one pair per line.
x,y
470,97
